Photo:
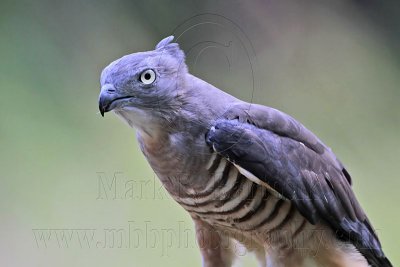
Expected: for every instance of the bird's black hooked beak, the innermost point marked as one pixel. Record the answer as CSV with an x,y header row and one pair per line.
x,y
108,95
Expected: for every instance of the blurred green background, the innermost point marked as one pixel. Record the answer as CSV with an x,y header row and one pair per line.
x,y
75,189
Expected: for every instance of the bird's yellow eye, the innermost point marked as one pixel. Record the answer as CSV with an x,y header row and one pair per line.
x,y
147,77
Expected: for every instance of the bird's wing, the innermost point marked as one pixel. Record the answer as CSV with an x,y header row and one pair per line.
x,y
276,151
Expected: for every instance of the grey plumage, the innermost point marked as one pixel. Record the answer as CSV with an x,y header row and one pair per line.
x,y
243,171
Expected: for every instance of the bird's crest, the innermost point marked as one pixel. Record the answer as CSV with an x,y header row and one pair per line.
x,y
172,49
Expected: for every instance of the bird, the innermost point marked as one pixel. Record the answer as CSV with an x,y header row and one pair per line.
x,y
247,174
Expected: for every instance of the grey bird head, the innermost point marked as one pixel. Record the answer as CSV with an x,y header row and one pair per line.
x,y
145,86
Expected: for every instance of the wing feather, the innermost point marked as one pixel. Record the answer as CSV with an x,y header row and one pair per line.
x,y
288,158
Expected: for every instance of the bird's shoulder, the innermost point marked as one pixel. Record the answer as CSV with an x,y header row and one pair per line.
x,y
284,125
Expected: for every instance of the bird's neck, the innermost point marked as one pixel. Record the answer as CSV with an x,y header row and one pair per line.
x,y
205,101
149,127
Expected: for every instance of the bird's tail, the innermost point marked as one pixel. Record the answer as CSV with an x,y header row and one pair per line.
x,y
367,243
